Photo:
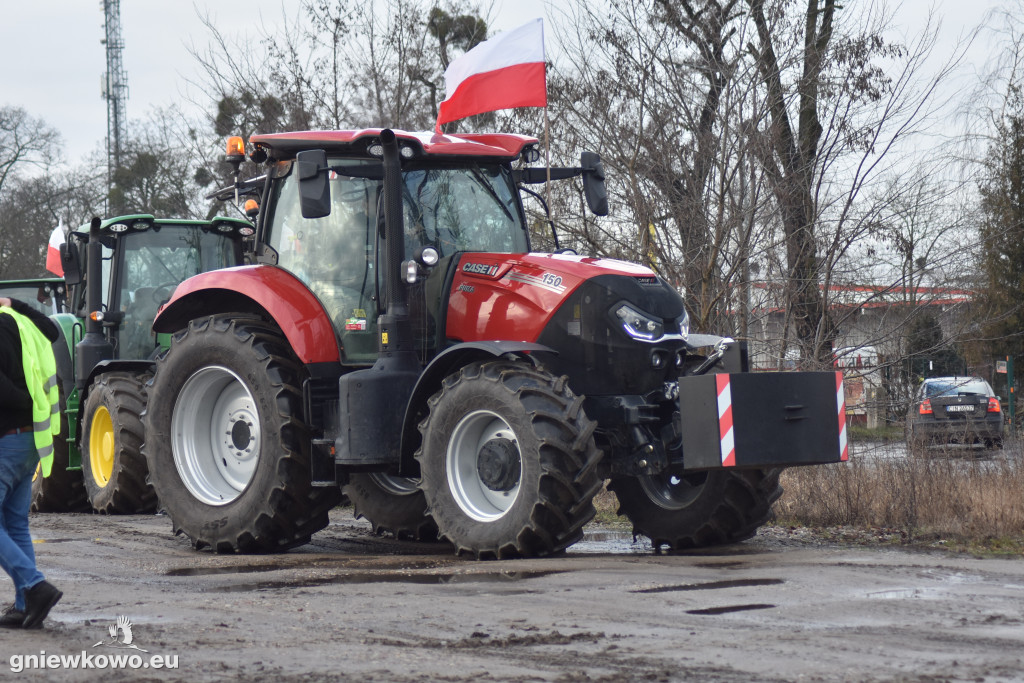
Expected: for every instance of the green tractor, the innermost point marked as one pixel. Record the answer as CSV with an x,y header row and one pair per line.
x,y
118,272
63,490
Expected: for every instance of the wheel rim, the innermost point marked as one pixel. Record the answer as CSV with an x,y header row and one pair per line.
x,y
101,446
215,435
484,466
396,486
673,490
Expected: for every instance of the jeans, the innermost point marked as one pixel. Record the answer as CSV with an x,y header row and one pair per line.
x,y
18,459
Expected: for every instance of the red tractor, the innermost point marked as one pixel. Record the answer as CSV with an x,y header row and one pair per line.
x,y
394,335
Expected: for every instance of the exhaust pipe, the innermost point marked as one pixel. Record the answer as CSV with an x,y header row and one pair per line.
x,y
372,402
94,346
395,332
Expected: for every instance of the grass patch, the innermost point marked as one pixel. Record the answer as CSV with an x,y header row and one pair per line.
x,y
889,432
944,499
607,516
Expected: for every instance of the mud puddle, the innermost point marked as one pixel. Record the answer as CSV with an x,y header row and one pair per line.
x,y
712,585
387,577
604,542
728,609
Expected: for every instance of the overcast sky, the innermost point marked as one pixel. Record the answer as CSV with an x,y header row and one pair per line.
x,y
53,59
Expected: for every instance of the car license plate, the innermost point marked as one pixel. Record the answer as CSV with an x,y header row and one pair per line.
x,y
959,409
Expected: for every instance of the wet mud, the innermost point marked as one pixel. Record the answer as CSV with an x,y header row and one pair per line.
x,y
351,606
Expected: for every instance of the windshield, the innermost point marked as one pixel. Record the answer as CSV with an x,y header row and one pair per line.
x,y
155,262
462,209
953,386
451,208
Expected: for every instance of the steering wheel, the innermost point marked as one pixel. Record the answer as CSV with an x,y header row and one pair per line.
x,y
163,292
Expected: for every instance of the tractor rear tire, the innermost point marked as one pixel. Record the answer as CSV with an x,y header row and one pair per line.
x,y
64,489
392,505
508,461
682,510
227,446
113,467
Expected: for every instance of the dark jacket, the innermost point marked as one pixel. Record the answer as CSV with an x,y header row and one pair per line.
x,y
15,402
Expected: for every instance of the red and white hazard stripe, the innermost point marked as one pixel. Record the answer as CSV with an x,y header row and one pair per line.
x,y
728,441
844,446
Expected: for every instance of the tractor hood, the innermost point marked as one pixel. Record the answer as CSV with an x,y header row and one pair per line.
x,y
610,315
513,297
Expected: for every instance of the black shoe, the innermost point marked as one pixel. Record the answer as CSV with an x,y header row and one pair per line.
x,y
12,618
39,600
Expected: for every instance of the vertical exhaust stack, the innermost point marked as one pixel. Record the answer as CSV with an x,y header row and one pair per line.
x,y
94,347
370,426
395,339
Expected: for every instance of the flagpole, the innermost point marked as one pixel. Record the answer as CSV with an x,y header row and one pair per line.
x,y
547,158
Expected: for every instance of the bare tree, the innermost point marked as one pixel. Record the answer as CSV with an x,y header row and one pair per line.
x,y
25,142
665,98
838,124
28,147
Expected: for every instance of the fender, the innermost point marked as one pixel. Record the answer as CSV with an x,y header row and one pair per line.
x,y
444,364
266,290
135,367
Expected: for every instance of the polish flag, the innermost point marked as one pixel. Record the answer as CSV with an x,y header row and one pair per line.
x,y
53,250
504,72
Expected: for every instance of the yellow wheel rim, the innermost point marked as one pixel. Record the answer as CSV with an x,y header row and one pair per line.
x,y
101,446
35,475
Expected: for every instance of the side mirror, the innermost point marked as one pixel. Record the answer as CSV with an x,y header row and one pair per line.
x,y
71,262
593,183
314,190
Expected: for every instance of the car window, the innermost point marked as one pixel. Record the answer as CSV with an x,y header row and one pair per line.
x,y
952,387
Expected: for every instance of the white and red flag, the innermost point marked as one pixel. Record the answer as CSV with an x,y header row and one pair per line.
x,y
57,238
504,72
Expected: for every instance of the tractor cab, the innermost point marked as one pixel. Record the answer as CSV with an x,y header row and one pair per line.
x,y
449,208
142,260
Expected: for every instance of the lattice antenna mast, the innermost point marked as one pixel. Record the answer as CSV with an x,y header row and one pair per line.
x,y
115,87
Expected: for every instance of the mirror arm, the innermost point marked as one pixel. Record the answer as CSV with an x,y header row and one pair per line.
x,y
547,212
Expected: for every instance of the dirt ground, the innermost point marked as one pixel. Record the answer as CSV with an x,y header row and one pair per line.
x,y
353,607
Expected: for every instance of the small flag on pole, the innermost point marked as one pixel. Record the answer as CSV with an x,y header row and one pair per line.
x,y
57,238
504,72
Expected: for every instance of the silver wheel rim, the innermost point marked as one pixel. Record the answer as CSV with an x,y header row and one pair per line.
x,y
468,440
215,435
671,490
396,486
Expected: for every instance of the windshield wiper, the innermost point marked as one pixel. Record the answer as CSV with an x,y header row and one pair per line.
x,y
480,178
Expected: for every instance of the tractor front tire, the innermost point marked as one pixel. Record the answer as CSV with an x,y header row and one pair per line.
x,y
392,505
227,446
113,467
681,510
508,461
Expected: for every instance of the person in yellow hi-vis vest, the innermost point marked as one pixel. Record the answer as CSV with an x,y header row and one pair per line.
x,y
28,414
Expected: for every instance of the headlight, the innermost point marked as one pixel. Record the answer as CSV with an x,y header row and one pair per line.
x,y
639,325
684,325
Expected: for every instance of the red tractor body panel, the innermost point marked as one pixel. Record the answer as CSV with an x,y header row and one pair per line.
x,y
503,297
294,308
494,145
